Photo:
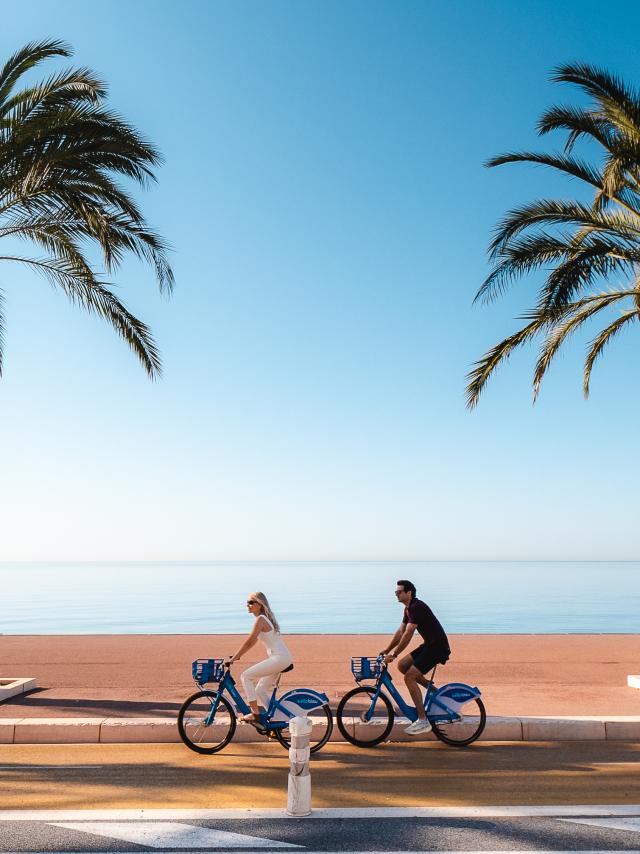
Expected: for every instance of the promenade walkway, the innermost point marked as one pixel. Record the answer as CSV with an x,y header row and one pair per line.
x,y
149,675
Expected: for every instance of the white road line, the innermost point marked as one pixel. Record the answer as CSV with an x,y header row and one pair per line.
x,y
608,823
171,834
551,811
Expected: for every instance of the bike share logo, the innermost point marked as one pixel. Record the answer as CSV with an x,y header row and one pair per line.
x,y
458,695
305,701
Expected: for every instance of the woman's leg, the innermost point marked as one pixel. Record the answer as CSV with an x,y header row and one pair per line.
x,y
264,670
264,689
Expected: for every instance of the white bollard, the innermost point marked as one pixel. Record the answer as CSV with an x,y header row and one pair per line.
x,y
299,795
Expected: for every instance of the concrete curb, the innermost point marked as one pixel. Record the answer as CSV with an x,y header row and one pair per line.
x,y
165,731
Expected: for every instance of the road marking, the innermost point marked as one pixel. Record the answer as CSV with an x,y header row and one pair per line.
x,y
550,811
609,823
171,834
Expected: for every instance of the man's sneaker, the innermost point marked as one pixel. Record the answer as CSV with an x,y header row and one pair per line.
x,y
418,726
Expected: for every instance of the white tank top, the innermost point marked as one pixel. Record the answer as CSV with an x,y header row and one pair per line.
x,y
273,642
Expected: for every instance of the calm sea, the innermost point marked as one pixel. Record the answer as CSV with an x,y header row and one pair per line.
x,y
334,598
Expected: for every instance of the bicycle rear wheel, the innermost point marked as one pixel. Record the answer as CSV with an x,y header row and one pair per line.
x,y
322,727
353,708
464,732
196,733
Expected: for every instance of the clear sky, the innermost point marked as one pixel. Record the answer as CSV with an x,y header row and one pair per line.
x,y
329,211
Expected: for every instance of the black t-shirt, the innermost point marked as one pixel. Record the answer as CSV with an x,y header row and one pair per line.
x,y
421,615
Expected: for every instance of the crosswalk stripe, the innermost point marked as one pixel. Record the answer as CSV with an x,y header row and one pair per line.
x,y
171,834
608,823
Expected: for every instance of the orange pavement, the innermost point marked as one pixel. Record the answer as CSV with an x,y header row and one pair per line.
x,y
149,675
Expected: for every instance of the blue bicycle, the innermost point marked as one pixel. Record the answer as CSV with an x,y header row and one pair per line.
x,y
365,714
207,720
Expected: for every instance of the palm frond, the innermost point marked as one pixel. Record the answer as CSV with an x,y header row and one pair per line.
x,y
69,87
576,244
575,315
579,123
27,58
562,162
584,264
521,256
556,212
483,369
619,103
84,290
601,342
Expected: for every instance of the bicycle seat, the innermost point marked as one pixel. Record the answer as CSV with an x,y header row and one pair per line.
x,y
287,669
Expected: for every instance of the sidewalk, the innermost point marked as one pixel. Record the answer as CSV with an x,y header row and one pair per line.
x,y
554,686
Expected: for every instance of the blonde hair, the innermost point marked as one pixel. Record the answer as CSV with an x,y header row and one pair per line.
x,y
262,600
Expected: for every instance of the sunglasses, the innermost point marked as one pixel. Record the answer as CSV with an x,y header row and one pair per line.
x,y
251,602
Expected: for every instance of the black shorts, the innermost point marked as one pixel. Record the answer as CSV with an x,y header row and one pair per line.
x,y
426,656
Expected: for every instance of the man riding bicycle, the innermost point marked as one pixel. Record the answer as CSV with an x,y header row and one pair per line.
x,y
435,649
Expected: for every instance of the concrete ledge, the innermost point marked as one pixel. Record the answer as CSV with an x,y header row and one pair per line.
x,y
623,729
7,730
165,730
57,731
138,730
563,729
11,686
503,729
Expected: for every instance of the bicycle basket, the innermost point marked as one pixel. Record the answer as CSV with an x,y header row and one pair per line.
x,y
365,667
207,670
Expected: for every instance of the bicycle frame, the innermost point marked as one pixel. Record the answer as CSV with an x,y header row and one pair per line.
x,y
436,711
228,686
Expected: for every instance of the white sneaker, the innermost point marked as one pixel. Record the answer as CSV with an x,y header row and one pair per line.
x,y
418,726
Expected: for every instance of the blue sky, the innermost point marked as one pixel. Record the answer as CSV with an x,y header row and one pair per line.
x,y
325,196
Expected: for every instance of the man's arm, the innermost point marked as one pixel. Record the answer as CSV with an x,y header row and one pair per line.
x,y
394,640
405,640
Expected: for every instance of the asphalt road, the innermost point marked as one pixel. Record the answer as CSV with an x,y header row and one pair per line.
x,y
393,775
328,834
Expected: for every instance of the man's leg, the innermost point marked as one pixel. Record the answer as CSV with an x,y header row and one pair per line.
x,y
411,678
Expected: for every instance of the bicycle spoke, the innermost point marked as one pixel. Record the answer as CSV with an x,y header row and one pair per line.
x,y
197,730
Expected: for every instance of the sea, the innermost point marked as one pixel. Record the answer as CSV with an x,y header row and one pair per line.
x,y
337,597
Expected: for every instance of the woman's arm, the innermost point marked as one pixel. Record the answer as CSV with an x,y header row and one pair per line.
x,y
250,641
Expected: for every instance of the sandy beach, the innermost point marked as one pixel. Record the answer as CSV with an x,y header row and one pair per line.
x,y
143,675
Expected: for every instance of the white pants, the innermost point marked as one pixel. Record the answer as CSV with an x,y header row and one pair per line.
x,y
266,672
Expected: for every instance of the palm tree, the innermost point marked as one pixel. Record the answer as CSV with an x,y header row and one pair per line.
x,y
61,152
578,246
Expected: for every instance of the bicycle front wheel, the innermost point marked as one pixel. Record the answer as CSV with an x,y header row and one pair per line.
x,y
358,724
200,734
321,729
464,732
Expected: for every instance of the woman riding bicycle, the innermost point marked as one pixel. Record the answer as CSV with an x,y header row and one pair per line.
x,y
267,630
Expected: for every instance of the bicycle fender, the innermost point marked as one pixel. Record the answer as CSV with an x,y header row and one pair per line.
x,y
303,700
454,695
